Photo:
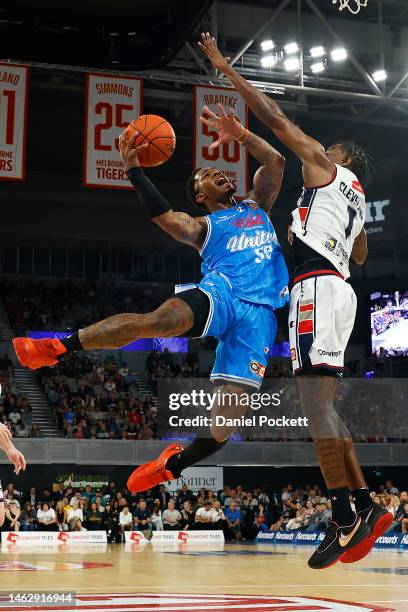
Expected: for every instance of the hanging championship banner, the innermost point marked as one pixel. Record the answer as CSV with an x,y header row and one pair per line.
x,y
13,121
231,158
112,102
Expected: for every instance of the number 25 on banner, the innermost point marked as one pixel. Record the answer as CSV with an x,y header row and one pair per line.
x,y
107,111
13,120
112,103
230,157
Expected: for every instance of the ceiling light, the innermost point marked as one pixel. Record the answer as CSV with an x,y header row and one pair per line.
x,y
269,60
317,67
267,45
339,55
292,64
317,51
292,47
379,75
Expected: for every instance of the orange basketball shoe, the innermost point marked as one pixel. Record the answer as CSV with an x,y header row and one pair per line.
x,y
35,354
153,473
379,521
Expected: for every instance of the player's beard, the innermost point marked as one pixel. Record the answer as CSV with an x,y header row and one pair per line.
x,y
230,193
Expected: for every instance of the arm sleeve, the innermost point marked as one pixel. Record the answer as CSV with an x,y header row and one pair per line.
x,y
150,197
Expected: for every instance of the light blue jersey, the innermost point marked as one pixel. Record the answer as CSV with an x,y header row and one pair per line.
x,y
245,279
241,245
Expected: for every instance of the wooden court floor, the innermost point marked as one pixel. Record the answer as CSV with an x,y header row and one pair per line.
x,y
160,577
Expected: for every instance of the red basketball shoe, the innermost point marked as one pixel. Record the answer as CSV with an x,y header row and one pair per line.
x,y
153,473
379,521
35,354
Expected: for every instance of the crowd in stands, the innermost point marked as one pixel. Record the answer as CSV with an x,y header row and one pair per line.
x,y
36,305
15,409
240,513
167,365
91,399
95,400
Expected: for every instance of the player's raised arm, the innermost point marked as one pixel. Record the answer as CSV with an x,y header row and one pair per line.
x,y
179,225
317,167
268,178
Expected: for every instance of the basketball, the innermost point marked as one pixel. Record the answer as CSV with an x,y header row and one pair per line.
x,y
158,133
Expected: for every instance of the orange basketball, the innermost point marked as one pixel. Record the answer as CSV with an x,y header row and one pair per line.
x,y
158,133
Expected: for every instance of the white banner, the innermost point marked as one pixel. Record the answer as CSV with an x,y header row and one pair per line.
x,y
133,537
197,477
112,102
231,158
13,121
35,538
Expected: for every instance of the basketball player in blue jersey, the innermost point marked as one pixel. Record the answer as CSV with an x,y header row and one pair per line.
x,y
327,232
245,280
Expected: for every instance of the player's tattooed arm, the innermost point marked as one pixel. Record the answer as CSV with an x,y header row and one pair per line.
x,y
268,178
359,251
183,227
317,167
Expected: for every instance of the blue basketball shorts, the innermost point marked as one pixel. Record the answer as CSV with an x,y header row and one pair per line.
x,y
246,332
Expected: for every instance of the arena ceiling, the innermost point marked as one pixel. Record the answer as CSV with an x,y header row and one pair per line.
x,y
102,33
157,39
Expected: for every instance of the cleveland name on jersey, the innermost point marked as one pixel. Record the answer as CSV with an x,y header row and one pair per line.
x,y
242,247
329,218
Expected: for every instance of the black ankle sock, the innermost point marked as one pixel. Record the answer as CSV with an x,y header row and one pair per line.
x,y
362,499
341,509
72,343
199,449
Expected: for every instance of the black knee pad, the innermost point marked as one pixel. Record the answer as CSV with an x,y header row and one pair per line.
x,y
199,303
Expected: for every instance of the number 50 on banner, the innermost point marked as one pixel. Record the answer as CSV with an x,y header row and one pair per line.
x,y
112,102
231,158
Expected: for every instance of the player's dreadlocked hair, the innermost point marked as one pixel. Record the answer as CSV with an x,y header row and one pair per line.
x,y
361,161
191,190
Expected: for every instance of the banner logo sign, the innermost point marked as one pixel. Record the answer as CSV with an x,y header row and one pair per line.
x,y
13,121
179,537
112,102
231,158
38,538
392,540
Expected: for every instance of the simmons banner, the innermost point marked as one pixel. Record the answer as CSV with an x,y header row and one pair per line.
x,y
231,158
13,121
112,102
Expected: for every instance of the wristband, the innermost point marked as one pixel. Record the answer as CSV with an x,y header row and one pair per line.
x,y
150,197
244,136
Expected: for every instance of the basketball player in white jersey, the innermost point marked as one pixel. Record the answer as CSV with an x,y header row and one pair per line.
x,y
327,232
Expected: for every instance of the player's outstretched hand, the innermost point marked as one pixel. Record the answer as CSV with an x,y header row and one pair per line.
x,y
209,45
129,154
227,126
15,456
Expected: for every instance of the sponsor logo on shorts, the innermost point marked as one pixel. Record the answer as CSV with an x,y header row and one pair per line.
x,y
257,368
330,243
292,324
330,353
293,354
266,350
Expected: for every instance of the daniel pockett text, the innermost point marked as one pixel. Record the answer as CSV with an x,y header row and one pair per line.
x,y
192,406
